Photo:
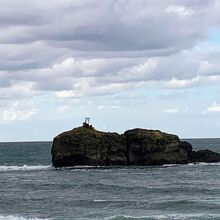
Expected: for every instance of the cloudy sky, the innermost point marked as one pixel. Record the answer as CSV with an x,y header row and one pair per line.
x,y
124,63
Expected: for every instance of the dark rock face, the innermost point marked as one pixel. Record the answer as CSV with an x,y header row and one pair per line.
x,y
86,146
152,147
139,147
207,156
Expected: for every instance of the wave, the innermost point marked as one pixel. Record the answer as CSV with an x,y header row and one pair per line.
x,y
166,217
24,168
97,168
193,164
170,165
110,168
100,200
204,164
12,217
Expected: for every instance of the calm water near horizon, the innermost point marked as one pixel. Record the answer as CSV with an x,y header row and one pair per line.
x,y
31,189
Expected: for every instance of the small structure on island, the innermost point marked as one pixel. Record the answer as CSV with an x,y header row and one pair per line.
x,y
86,123
87,120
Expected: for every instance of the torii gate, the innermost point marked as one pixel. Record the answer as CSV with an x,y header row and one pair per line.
x,y
87,120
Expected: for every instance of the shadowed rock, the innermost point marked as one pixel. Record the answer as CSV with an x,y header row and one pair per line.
x,y
87,146
153,147
207,156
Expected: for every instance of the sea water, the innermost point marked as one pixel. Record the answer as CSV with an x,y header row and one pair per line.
x,y
30,188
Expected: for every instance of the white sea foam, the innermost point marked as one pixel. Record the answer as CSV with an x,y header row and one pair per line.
x,y
24,168
85,166
12,217
170,165
204,164
179,216
193,164
100,200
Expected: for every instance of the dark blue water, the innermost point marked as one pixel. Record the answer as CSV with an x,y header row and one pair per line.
x,y
29,153
31,189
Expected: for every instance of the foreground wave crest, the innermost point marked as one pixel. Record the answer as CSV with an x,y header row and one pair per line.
x,y
167,217
24,167
12,217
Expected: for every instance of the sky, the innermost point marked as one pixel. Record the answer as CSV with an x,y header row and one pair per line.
x,y
125,64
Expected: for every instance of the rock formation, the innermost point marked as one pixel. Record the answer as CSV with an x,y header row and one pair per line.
x,y
87,146
153,147
206,156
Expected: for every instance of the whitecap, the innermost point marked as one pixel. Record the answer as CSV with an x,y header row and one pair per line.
x,y
99,200
204,164
180,216
193,164
170,165
24,168
12,217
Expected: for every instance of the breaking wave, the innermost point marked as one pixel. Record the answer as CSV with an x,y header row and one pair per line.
x,y
12,217
24,168
193,164
166,217
204,164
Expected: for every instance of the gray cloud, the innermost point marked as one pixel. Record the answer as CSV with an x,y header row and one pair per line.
x,y
112,25
98,47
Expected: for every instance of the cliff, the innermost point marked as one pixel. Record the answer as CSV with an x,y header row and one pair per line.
x,y
87,146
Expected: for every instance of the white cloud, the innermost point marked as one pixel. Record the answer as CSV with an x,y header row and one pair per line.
x,y
180,10
143,71
214,107
18,90
101,107
78,77
72,78
17,111
172,110
66,94
198,81
124,55
114,50
13,114
62,108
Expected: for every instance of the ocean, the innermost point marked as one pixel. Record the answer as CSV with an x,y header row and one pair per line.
x,y
31,189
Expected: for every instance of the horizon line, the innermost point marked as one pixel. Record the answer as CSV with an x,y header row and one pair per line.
x,y
35,141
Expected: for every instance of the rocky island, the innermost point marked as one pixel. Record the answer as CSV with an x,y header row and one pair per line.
x,y
139,147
